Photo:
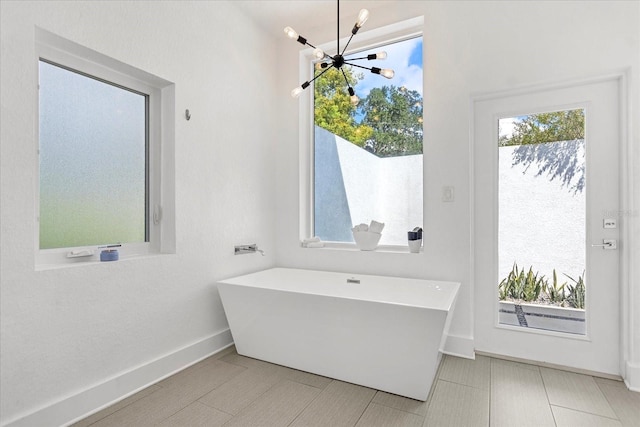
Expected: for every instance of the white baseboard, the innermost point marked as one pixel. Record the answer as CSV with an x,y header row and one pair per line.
x,y
632,376
459,346
73,408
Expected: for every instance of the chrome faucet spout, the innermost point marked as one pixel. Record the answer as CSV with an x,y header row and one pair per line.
x,y
248,249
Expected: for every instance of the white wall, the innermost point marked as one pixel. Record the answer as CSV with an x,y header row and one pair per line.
x,y
541,221
470,47
73,337
383,189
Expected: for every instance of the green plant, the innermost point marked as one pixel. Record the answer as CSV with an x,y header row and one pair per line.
x,y
555,291
520,286
532,286
503,290
576,292
507,287
528,287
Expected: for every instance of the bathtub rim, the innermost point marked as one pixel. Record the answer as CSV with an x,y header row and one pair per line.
x,y
444,304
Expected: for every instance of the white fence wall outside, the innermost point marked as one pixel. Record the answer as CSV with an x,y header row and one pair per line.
x,y
387,190
541,222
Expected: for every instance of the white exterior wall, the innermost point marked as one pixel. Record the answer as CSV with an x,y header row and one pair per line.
x,y
384,189
541,223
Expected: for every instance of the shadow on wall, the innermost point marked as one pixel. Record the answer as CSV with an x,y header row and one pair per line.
x,y
541,224
332,219
563,160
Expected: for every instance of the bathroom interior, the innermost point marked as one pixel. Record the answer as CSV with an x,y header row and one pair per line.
x,y
78,337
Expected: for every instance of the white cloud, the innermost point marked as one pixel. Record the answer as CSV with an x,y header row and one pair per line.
x,y
506,126
398,56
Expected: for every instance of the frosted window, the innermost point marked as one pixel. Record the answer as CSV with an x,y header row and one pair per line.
x,y
93,173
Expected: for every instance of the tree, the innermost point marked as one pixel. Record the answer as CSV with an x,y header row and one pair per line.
x,y
395,115
333,109
546,127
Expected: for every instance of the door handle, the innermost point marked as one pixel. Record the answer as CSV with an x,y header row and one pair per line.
x,y
607,244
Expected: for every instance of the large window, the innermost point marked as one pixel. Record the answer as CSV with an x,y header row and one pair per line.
x,y
368,157
105,155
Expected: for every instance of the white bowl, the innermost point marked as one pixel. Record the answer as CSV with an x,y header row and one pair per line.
x,y
366,240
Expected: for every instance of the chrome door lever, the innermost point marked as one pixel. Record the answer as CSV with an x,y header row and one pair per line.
x,y
607,244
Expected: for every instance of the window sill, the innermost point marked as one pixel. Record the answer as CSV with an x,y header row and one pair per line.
x,y
93,260
351,247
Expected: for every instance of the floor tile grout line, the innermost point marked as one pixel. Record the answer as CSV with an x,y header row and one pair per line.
x,y
546,393
213,407
490,387
280,381
308,404
125,406
395,408
578,410
462,384
233,415
197,399
588,413
365,409
607,400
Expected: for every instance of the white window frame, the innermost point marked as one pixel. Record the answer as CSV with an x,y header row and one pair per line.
x,y
371,39
160,180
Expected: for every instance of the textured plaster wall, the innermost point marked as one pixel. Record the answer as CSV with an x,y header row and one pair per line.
x,y
67,329
541,222
470,47
357,187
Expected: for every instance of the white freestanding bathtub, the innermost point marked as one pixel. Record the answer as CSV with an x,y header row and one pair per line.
x,y
381,332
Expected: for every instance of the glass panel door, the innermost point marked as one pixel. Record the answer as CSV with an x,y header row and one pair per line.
x,y
562,219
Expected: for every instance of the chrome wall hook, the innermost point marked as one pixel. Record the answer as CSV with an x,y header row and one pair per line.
x,y
187,115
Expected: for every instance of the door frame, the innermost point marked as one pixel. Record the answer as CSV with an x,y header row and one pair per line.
x,y
627,313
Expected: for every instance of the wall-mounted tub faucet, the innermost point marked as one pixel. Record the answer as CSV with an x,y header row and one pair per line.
x,y
248,249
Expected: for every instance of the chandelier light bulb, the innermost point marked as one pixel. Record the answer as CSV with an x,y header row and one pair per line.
x,y
296,92
291,33
388,73
352,96
318,53
362,18
381,55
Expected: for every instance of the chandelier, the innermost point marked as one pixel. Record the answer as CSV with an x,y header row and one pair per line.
x,y
327,62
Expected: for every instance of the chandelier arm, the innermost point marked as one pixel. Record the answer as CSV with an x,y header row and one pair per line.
x,y
355,59
309,44
347,45
323,71
345,77
356,65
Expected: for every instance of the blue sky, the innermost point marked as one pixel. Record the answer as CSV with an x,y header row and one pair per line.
x,y
405,58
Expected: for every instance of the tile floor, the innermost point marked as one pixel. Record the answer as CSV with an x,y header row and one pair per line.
x,y
232,390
